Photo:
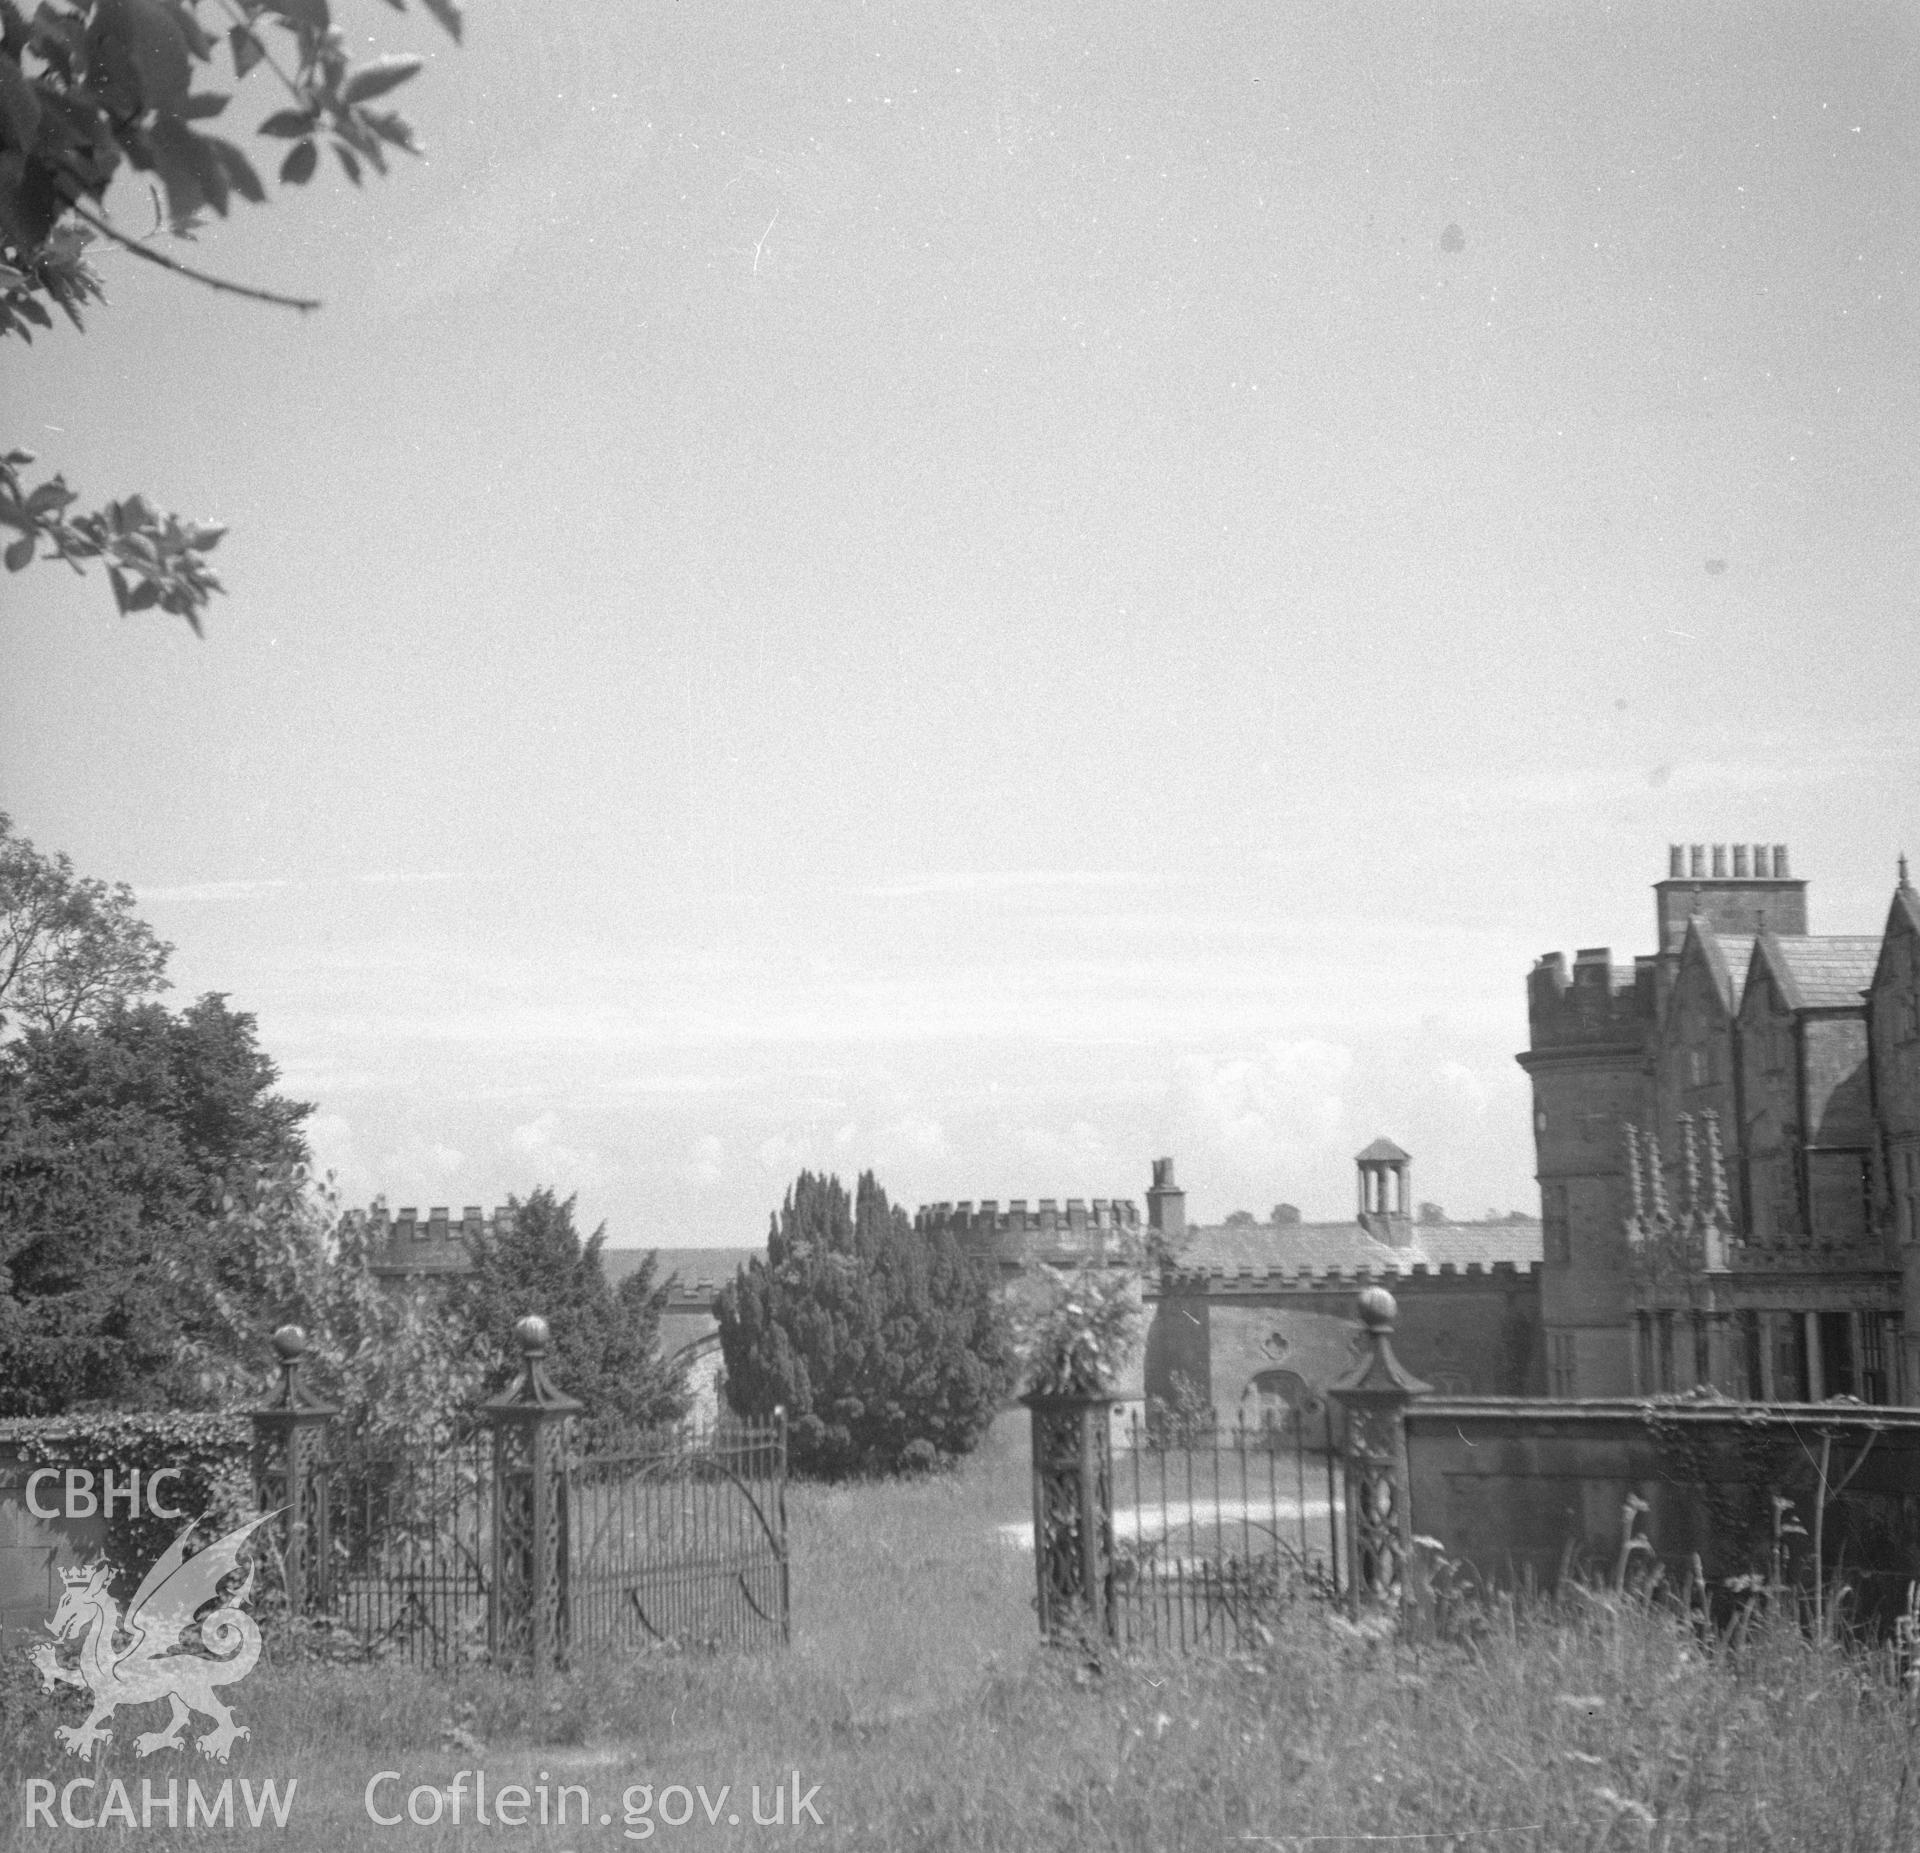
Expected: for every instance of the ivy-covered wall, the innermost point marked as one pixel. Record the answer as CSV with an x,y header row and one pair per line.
x,y
204,1456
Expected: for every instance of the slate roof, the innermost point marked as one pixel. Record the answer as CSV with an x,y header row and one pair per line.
x,y
1380,1148
1819,973
712,1267
1725,954
1902,917
1320,1246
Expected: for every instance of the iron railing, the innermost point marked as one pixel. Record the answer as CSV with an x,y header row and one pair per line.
x,y
412,1539
1214,1528
679,1537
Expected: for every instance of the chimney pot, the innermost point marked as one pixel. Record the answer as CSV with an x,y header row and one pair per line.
x,y
1719,862
1740,862
1779,861
1676,861
1696,859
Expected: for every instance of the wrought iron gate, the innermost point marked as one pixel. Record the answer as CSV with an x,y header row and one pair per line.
x,y
680,1538
529,1537
412,1540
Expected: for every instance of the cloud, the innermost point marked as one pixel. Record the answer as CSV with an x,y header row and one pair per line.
x,y
331,1141
213,890
550,1159
782,1155
1001,881
250,888
1262,1113
1079,1150
1463,1085
909,1140
706,1162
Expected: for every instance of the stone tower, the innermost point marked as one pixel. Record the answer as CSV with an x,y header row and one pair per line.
x,y
1591,1033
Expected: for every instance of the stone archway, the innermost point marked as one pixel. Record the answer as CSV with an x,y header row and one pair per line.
x,y
1277,1399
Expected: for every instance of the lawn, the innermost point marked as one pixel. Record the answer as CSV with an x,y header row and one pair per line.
x,y
918,1711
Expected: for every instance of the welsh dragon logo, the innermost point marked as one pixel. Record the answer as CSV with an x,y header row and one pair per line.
x,y
153,1664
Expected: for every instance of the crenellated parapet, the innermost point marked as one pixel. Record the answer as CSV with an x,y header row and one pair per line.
x,y
404,1242
1594,1004
1417,1276
1022,1232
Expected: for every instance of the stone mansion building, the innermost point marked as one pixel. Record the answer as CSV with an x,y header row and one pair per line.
x,y
1728,1142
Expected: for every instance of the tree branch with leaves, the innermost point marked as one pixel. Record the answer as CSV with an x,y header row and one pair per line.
x,y
89,88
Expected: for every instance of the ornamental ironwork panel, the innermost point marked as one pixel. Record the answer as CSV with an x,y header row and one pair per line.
x,y
1375,1395
413,1534
529,1610
679,1536
1376,1507
1073,1514
527,1618
291,1480
1217,1529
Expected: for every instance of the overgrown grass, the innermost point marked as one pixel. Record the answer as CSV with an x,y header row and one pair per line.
x,y
916,1699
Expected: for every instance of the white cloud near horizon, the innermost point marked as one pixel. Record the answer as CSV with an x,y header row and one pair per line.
x,y
972,882
1263,1113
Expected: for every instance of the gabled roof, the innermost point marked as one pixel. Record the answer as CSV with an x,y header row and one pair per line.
x,y
1722,956
1903,921
1382,1149
1817,973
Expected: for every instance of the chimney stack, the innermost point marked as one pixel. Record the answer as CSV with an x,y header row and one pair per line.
x,y
1166,1201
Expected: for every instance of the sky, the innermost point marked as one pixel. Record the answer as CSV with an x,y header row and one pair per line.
x,y
995,593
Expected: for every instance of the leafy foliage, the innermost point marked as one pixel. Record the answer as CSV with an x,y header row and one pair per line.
x,y
399,1370
71,948
1079,1342
120,1143
606,1342
208,1453
91,87
152,559
886,1344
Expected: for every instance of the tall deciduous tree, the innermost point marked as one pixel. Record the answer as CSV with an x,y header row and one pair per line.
x,y
91,87
606,1343
71,947
886,1345
401,1372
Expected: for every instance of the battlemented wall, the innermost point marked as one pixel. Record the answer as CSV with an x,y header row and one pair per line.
x,y
405,1244
1048,1231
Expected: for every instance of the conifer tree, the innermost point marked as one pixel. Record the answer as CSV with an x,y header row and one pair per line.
x,y
887,1346
120,1143
605,1342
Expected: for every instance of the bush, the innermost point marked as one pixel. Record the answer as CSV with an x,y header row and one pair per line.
x,y
886,1344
